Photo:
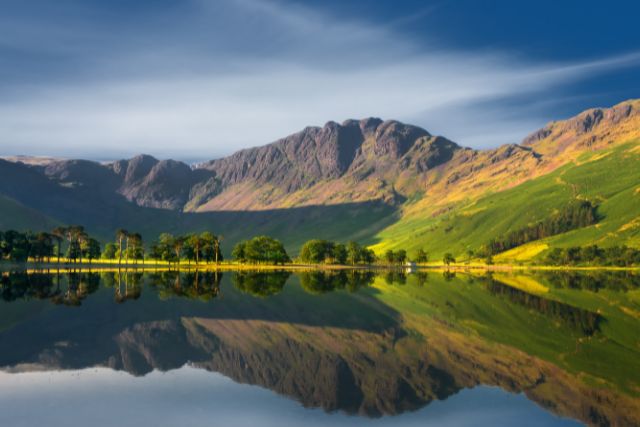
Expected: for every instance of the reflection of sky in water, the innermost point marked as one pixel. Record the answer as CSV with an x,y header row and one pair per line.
x,y
194,397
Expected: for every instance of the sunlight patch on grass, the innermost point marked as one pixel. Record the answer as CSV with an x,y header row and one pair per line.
x,y
522,253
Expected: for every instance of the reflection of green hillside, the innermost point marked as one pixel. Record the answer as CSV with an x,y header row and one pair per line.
x,y
484,307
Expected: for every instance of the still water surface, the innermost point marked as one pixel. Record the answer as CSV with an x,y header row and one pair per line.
x,y
346,348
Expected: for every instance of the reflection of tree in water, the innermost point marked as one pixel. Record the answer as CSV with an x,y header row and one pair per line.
x,y
449,275
79,287
397,277
260,284
421,278
319,282
587,322
621,281
128,285
23,286
202,285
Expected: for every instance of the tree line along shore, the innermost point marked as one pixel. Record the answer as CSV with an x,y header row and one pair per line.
x,y
73,245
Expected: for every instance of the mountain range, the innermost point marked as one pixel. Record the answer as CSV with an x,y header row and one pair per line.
x,y
385,183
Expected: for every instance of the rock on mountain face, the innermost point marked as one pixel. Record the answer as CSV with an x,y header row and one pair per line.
x,y
156,183
316,154
591,129
318,165
143,179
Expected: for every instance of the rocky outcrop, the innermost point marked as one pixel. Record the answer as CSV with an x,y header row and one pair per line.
x,y
149,182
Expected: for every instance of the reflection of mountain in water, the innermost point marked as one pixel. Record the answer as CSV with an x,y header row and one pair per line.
x,y
335,350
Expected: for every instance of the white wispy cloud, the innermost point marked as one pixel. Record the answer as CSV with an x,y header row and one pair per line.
x,y
220,76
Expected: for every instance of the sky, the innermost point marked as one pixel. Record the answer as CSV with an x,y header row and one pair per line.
x,y
200,79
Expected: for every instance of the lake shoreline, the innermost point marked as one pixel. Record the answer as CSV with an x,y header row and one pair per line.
x,y
230,266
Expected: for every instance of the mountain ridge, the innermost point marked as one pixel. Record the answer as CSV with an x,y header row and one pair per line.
x,y
422,180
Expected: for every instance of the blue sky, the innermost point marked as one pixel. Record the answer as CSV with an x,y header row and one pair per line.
x,y
198,79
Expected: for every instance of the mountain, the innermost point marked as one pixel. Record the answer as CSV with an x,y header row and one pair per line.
x,y
428,191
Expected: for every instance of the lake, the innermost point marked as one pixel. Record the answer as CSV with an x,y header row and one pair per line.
x,y
340,348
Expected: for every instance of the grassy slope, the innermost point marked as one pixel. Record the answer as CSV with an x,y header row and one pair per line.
x,y
610,177
19,217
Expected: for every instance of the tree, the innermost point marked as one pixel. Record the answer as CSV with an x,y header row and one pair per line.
x,y
264,249
164,248
340,253
121,234
74,234
41,246
216,244
15,246
238,252
178,243
421,256
368,256
91,249
354,253
191,247
208,243
448,259
109,251
196,243
82,238
135,247
316,251
389,256
400,256
59,234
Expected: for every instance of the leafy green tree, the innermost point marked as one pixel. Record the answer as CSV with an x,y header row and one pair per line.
x,y
217,241
316,251
16,246
400,256
238,252
73,250
209,246
164,248
389,256
189,244
91,249
74,234
109,251
194,243
59,234
121,234
41,246
178,244
265,249
421,256
135,248
354,253
340,253
448,259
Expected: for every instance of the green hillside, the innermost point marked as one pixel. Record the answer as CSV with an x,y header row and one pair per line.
x,y
608,178
19,217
